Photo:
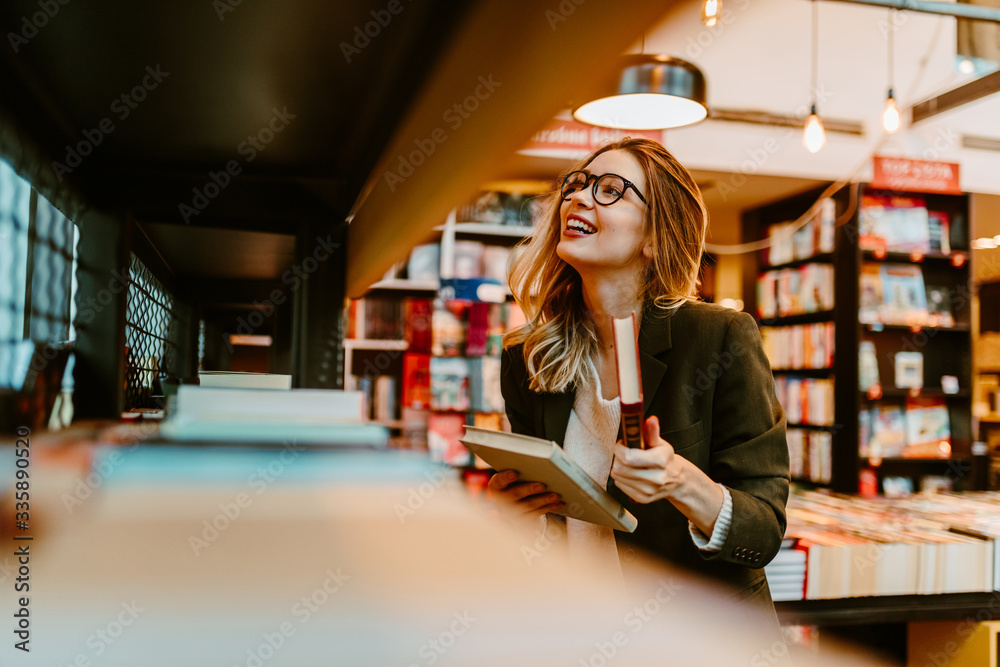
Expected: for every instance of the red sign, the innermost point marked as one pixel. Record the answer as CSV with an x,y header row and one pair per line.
x,y
894,173
570,136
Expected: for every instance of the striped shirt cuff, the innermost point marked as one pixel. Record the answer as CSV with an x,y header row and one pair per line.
x,y
722,524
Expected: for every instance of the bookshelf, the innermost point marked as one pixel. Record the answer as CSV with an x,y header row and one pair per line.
x,y
437,356
894,292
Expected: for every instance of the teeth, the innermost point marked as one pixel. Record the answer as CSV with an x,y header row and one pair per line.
x,y
581,226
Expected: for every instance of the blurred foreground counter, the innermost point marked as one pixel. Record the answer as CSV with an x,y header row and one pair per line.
x,y
150,554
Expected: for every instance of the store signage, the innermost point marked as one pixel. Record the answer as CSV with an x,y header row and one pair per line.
x,y
571,137
894,173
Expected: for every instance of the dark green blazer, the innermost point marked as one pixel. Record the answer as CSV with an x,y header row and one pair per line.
x,y
704,374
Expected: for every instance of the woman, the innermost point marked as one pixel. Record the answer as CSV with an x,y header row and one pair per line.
x,y
709,491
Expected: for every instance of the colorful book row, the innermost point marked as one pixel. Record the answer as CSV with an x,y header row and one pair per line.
x,y
807,289
801,346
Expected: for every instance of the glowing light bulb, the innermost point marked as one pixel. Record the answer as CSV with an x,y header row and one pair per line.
x,y
966,66
890,117
710,12
815,135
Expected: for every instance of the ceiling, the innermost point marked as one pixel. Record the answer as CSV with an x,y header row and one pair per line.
x,y
331,120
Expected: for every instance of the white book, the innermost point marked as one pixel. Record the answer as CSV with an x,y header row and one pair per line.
x,y
244,380
539,460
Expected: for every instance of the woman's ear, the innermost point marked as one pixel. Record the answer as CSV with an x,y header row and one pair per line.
x,y
647,251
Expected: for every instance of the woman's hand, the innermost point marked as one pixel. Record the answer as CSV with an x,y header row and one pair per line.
x,y
655,473
647,475
522,500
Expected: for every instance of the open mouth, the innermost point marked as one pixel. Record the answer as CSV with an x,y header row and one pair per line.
x,y
581,226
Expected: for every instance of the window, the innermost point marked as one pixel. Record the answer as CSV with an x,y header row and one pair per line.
x,y
154,324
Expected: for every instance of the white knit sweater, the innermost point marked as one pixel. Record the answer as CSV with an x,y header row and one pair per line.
x,y
591,434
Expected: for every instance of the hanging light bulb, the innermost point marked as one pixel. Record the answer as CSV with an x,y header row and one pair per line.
x,y
710,12
815,135
890,117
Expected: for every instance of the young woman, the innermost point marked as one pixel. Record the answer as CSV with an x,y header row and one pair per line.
x,y
709,492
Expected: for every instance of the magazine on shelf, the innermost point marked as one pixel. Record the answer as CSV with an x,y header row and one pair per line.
x,y
909,368
928,429
539,460
903,294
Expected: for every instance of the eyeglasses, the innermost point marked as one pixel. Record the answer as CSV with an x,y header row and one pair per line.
x,y
608,188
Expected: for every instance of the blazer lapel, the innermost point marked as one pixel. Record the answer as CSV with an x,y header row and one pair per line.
x,y
654,340
555,414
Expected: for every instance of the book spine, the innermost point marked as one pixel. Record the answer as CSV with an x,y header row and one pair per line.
x,y
632,425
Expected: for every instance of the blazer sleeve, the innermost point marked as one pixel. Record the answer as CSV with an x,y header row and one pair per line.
x,y
749,450
514,388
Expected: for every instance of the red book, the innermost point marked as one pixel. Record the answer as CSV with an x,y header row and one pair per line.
x,y
629,378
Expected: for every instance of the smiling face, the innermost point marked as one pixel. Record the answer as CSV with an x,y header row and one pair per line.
x,y
596,238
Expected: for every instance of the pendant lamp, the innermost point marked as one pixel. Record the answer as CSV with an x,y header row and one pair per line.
x,y
653,92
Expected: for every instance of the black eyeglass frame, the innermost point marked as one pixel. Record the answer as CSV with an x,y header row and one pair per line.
x,y
596,178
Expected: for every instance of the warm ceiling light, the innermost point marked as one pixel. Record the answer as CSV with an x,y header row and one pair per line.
x,y
815,135
652,92
890,117
710,11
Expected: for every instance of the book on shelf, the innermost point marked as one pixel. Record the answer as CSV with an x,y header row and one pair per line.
x,y
449,329
805,400
468,259
870,294
867,366
477,329
813,237
424,264
810,454
384,403
484,389
920,429
928,428
939,232
889,223
495,259
237,379
626,341
444,433
416,381
785,292
450,383
417,329
909,370
888,432
271,416
939,307
903,294
539,460
800,346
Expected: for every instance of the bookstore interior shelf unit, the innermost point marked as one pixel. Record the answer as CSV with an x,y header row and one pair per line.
x,y
424,343
865,315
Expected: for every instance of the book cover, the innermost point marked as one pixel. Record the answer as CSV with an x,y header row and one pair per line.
x,y
416,381
867,365
539,460
903,294
939,307
444,433
449,383
928,431
424,264
629,379
909,370
939,231
870,294
889,432
478,329
419,315
448,329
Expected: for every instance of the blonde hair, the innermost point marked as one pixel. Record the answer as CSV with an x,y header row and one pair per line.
x,y
560,340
